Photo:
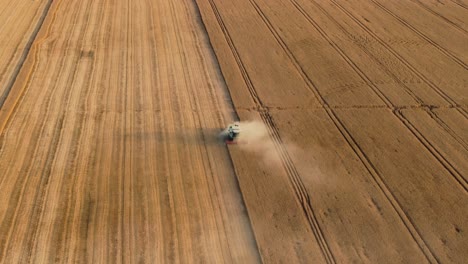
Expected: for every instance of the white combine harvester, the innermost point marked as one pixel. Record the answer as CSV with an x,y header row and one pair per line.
x,y
231,133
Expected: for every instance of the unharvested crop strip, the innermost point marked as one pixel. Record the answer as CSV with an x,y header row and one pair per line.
x,y
437,89
422,35
397,112
446,164
351,141
297,185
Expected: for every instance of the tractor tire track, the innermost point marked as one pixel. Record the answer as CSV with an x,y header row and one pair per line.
x,y
422,35
395,110
437,89
296,182
425,7
459,178
350,140
235,53
422,104
459,4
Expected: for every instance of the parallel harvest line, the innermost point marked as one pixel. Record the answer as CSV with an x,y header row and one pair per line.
x,y
195,117
13,17
58,138
42,199
24,55
39,132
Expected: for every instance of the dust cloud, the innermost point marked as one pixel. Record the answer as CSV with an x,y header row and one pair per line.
x,y
255,138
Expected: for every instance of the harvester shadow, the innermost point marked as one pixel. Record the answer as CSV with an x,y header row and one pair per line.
x,y
192,136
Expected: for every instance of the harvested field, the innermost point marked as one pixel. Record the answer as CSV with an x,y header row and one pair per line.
x,y
354,148
108,145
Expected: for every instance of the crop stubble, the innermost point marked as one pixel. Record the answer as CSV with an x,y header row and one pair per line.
x,y
108,142
107,136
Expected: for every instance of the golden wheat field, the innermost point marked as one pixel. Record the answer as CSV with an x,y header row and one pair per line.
x,y
353,145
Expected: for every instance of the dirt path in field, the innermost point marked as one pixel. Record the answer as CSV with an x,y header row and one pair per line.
x,y
108,148
365,104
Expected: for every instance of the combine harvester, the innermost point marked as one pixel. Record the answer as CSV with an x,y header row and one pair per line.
x,y
231,134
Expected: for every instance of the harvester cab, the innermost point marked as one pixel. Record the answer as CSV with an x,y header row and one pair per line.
x,y
232,132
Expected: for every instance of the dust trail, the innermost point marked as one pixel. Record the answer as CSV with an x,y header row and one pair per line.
x,y
254,137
